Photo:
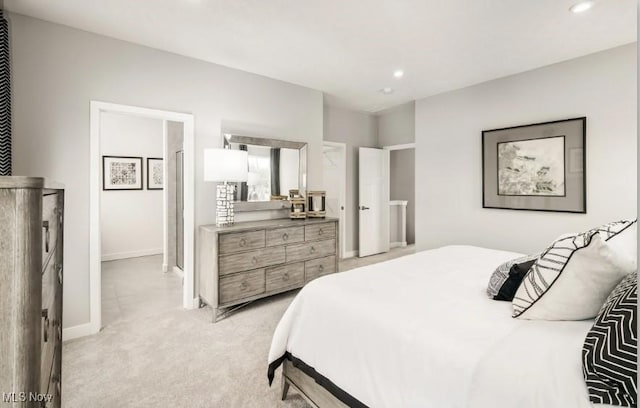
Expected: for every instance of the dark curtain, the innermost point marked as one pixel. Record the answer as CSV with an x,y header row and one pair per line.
x,y
5,99
244,188
275,171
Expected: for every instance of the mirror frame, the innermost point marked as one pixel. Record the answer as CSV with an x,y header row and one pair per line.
x,y
243,206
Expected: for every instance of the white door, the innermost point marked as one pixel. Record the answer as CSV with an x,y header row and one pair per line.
x,y
373,207
334,176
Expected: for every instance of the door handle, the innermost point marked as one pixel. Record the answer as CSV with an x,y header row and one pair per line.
x,y
364,208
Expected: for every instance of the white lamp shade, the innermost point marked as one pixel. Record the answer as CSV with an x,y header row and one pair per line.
x,y
225,165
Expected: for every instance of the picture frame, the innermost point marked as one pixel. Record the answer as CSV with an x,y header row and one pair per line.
x,y
121,173
536,167
155,173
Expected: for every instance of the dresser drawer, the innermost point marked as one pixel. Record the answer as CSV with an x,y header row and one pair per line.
x,y
283,236
50,225
251,260
318,267
309,250
319,231
241,286
285,276
241,241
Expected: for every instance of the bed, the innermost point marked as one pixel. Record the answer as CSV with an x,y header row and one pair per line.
x,y
420,331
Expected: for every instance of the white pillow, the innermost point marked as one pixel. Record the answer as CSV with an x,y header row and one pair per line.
x,y
573,277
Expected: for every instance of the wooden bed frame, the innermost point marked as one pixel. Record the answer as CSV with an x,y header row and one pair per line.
x,y
309,389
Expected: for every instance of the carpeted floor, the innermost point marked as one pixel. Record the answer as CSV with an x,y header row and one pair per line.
x,y
178,359
153,353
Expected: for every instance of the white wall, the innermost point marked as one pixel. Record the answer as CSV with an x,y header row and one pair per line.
x,y
601,87
397,125
356,129
131,220
58,70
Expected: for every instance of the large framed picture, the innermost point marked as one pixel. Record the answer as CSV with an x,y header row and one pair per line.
x,y
121,173
538,167
155,173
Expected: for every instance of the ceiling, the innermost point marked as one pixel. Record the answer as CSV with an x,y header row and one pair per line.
x,y
350,49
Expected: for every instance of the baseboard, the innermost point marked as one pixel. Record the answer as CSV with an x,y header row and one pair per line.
x,y
80,330
131,254
398,244
350,254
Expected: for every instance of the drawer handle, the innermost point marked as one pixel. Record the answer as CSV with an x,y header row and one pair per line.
x,y
321,268
285,277
243,242
244,285
320,231
59,269
45,225
285,236
45,315
312,250
254,260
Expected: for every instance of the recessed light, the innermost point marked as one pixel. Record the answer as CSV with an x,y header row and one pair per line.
x,y
398,73
387,90
582,6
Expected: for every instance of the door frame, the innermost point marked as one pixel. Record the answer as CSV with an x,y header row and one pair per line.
x,y
343,192
95,267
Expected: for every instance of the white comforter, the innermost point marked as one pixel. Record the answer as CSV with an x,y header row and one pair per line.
x,y
419,331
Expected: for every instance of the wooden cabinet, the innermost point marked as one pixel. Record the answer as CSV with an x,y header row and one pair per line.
x,y
251,260
31,273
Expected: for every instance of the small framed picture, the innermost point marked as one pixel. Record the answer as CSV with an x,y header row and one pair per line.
x,y
537,167
121,173
155,173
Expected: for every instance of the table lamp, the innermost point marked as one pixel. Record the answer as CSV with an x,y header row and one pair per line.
x,y
224,166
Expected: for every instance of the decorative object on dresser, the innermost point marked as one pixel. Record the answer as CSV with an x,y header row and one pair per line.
x,y
252,260
31,232
298,205
121,173
316,204
538,167
155,173
225,165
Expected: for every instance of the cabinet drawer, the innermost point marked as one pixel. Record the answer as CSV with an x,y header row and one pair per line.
x,y
318,267
285,276
50,223
309,250
251,260
241,241
241,285
283,236
319,231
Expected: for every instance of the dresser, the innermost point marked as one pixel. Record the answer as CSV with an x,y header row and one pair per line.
x,y
31,232
251,260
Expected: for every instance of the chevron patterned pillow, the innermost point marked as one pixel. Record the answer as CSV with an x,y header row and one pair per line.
x,y
610,351
572,278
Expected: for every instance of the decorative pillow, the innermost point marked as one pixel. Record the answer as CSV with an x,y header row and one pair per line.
x,y
610,351
511,285
501,275
572,278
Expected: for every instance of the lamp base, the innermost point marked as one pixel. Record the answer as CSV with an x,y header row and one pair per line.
x,y
224,204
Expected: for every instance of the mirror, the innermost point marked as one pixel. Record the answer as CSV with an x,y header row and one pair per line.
x,y
275,167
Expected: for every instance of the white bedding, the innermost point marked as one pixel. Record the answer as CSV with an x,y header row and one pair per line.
x,y
419,331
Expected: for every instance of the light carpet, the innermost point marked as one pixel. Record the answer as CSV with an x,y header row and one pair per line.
x,y
178,358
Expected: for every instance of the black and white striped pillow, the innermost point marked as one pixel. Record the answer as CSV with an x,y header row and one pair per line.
x,y
610,351
572,278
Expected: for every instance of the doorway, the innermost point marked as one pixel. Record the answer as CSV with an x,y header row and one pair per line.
x,y
402,194
334,176
98,109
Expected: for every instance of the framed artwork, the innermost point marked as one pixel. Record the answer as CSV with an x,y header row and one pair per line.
x,y
121,173
538,167
155,173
